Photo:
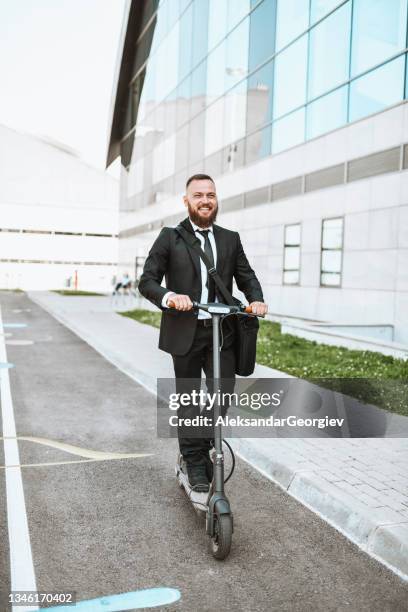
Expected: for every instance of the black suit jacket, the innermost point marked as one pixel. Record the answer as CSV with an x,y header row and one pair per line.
x,y
169,257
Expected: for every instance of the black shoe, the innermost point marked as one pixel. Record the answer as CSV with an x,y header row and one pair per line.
x,y
197,477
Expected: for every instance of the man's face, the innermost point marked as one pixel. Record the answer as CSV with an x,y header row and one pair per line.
x,y
201,201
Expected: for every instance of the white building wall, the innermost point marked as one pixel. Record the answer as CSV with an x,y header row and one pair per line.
x,y
46,189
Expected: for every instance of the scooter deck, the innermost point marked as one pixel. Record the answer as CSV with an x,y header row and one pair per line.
x,y
199,500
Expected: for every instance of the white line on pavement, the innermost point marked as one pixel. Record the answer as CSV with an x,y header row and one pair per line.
x,y
21,560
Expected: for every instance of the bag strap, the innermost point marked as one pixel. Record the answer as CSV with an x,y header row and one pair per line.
x,y
191,242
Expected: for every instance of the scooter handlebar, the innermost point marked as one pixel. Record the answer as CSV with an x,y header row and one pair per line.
x,y
247,309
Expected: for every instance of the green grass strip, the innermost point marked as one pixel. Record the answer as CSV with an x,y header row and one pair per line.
x,y
73,292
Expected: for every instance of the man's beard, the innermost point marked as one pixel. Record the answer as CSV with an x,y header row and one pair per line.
x,y
203,222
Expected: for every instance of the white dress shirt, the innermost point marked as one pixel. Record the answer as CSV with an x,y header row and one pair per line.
x,y
204,273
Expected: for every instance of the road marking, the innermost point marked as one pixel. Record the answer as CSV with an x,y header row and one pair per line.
x,y
25,465
146,598
6,365
21,559
78,450
14,325
19,342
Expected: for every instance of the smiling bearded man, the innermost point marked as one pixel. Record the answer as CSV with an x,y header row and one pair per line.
x,y
187,336
202,204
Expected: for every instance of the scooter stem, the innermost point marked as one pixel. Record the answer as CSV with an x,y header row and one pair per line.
x,y
219,458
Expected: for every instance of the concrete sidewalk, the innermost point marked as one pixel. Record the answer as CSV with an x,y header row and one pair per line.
x,y
360,486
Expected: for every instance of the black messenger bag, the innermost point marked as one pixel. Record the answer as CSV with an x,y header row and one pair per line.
x,y
246,328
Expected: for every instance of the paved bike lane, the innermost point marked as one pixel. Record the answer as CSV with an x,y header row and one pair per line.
x,y
105,525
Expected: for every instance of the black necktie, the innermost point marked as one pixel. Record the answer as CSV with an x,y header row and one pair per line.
x,y
209,252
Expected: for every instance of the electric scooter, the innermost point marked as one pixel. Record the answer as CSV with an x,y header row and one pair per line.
x,y
214,503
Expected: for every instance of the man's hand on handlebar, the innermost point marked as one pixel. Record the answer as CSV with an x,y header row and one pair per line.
x,y
179,302
259,308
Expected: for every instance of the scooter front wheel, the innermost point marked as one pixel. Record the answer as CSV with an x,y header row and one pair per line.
x,y
220,543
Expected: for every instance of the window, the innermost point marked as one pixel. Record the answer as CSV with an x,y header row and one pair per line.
x,y
197,133
167,58
378,89
216,72
237,9
331,252
262,33
186,43
182,140
217,22
259,99
292,19
183,102
235,113
290,78
214,127
327,113
164,155
258,145
237,54
233,156
320,8
147,99
198,88
379,32
288,131
291,255
329,52
135,178
170,114
200,30
162,23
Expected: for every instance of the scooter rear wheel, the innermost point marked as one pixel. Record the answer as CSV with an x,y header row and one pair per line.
x,y
220,543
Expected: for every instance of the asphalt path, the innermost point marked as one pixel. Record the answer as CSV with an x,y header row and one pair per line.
x,y
109,526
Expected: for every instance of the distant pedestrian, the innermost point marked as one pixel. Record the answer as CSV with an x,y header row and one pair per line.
x,y
124,283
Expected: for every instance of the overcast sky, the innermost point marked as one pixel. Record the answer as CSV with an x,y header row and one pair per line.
x,y
57,63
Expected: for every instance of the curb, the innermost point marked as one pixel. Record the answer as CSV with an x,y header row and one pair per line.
x,y
390,542
371,531
376,535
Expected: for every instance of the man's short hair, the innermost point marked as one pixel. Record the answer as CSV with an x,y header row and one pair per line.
x,y
199,177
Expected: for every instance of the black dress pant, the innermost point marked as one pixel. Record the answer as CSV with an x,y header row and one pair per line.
x,y
188,369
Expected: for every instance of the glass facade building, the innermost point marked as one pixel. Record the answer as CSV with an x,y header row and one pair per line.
x,y
219,84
